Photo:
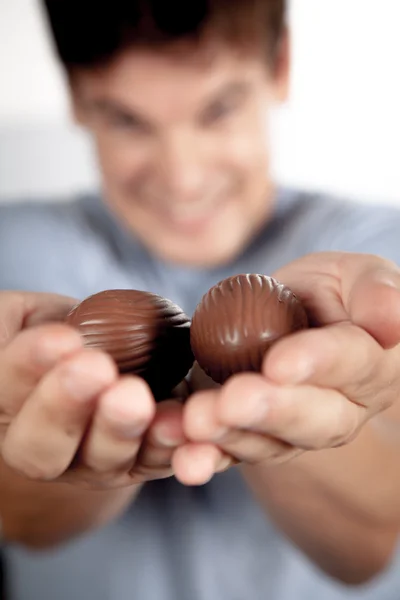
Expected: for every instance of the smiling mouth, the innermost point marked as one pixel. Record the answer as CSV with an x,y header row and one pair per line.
x,y
190,215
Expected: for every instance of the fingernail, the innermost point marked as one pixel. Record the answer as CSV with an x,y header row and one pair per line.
x,y
164,439
220,434
300,371
224,464
132,431
257,409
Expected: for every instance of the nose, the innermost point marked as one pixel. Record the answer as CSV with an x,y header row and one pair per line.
x,y
182,166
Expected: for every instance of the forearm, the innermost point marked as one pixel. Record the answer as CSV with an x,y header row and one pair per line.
x,y
39,515
340,506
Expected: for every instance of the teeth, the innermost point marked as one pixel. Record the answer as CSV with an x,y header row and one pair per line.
x,y
190,210
184,212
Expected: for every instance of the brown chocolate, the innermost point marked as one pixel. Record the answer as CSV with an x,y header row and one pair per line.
x,y
238,320
145,334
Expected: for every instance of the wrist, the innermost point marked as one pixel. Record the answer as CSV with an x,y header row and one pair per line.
x,y
350,478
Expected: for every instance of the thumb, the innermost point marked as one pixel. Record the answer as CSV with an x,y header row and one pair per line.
x,y
374,305
21,310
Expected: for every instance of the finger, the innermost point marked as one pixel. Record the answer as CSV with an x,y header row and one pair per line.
x,y
196,464
44,436
255,448
343,357
82,476
316,280
164,435
166,430
201,424
374,305
337,286
28,357
123,414
200,420
304,416
227,461
19,310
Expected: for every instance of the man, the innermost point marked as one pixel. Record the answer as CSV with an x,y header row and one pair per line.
x,y
100,490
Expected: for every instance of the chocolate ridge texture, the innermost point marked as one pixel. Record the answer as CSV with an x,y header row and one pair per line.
x,y
239,319
146,334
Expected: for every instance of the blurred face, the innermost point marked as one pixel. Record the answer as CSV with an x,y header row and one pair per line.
x,y
182,142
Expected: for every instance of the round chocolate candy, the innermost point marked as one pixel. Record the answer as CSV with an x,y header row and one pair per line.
x,y
238,320
145,334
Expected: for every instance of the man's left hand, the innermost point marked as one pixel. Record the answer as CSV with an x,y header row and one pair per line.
x,y
318,387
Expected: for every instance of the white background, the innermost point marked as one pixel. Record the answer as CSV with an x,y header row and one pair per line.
x,y
340,131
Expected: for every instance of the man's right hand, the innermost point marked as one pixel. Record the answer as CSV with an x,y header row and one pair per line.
x,y
65,413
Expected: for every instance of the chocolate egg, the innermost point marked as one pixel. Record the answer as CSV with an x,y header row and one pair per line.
x,y
238,320
145,334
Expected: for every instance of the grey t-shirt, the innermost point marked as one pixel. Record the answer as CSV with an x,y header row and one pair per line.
x,y
175,543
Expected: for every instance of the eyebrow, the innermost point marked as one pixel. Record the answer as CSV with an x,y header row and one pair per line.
x,y
236,91
114,107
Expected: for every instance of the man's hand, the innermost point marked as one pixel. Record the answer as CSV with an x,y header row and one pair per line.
x,y
318,387
65,413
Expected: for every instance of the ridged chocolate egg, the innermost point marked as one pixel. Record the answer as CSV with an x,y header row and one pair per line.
x,y
239,319
145,334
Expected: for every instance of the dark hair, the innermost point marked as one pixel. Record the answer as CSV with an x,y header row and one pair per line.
x,y
91,32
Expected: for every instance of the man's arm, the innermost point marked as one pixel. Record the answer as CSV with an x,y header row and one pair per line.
x,y
340,506
326,408
42,514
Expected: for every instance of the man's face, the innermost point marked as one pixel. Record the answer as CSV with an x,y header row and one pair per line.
x,y
182,141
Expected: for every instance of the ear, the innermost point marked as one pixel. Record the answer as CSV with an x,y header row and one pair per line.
x,y
282,67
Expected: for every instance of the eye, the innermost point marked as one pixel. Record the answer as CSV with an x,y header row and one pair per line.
x,y
126,122
218,111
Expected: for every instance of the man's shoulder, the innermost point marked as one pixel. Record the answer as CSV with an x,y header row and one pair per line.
x,y
336,222
41,241
17,216
320,206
